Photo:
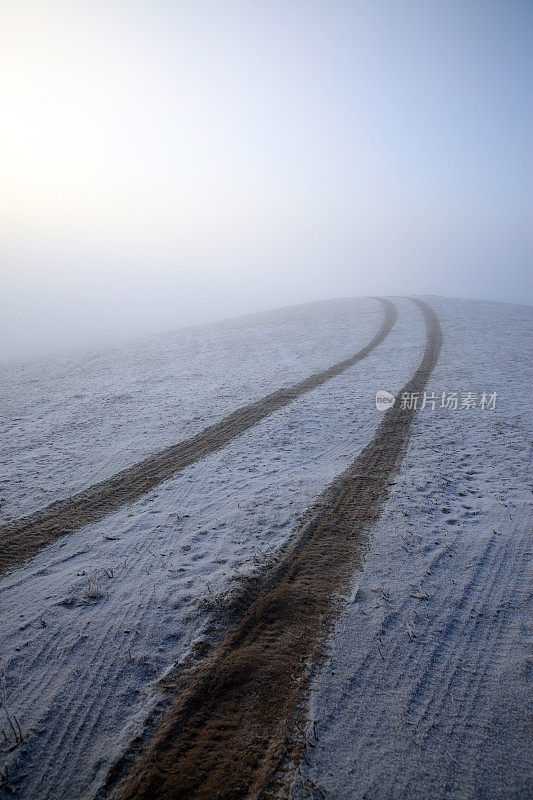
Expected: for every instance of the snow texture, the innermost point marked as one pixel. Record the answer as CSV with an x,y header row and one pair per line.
x,y
424,694
71,420
426,689
82,671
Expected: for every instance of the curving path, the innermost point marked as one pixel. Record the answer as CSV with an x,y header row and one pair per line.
x,y
236,723
24,538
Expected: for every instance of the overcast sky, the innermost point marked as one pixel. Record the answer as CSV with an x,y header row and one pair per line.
x,y
165,163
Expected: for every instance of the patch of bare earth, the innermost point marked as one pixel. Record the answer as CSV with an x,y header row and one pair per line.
x,y
236,723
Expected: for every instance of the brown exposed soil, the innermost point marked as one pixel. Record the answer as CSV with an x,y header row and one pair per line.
x,y
25,537
235,723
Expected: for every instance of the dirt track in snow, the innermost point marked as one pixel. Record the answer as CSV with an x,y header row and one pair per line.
x,y
237,723
24,538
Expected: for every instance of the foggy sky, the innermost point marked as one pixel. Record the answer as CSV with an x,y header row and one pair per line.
x,y
164,163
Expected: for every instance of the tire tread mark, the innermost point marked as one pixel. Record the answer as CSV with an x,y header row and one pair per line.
x,y
24,538
238,717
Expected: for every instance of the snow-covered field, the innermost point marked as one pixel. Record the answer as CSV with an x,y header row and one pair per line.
x,y
73,419
427,690
92,623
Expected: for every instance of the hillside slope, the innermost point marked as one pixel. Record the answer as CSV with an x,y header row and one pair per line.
x,y
424,691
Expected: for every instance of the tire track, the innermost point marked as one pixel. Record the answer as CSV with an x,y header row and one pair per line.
x,y
429,700
460,681
24,538
64,734
236,721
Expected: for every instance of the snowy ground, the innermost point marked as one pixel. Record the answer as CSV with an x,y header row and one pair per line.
x,y
73,419
444,690
426,692
81,672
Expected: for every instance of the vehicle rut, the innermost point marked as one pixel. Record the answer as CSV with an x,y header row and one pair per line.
x,y
24,538
237,720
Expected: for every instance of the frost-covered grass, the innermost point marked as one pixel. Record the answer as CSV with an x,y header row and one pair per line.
x,y
82,672
425,693
71,420
85,682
